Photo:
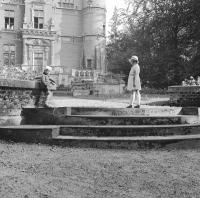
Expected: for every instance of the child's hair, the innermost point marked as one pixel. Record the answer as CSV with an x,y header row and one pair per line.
x,y
45,71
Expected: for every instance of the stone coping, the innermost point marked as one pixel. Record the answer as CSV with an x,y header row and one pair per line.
x,y
125,116
139,138
180,86
167,126
184,88
10,112
23,84
63,111
25,127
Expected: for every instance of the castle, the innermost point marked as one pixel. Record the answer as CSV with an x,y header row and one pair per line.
x,y
69,35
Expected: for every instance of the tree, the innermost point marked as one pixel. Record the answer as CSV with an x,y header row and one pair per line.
x,y
164,34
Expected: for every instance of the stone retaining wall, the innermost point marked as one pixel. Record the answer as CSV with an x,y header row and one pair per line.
x,y
22,84
185,96
14,95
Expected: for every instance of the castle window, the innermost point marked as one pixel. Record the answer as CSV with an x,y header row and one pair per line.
x,y
9,54
38,19
38,58
89,63
9,19
89,2
66,3
104,29
92,74
81,73
87,73
77,74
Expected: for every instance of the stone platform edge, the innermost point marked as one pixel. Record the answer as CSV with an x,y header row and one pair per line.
x,y
21,84
70,111
12,83
184,96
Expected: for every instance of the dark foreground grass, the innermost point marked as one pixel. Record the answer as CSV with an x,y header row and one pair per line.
x,y
31,171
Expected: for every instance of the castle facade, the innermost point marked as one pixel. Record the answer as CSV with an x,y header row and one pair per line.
x,y
69,35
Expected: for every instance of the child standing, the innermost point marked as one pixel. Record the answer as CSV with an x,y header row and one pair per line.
x,y
45,87
134,84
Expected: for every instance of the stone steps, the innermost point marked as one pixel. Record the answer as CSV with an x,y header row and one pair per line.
x,y
142,138
63,111
127,120
129,130
29,133
113,136
147,111
102,125
105,116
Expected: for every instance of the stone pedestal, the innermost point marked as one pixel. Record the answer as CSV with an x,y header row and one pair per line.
x,y
15,95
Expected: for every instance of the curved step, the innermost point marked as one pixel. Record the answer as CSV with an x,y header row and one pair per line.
x,y
121,120
129,130
31,133
36,119
147,111
104,116
141,138
63,111
54,119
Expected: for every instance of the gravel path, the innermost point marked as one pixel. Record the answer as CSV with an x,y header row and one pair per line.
x,y
72,102
115,103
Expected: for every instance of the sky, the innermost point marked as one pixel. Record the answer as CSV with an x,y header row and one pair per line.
x,y
110,4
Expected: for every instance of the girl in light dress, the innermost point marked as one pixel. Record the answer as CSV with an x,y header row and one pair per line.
x,y
134,84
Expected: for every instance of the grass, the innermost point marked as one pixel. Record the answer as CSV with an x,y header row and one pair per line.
x,y
31,170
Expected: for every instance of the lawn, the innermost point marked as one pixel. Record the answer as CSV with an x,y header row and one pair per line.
x,y
43,171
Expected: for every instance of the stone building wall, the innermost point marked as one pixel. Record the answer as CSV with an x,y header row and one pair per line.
x,y
10,37
72,35
110,89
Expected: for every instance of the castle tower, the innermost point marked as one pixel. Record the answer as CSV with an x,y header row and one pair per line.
x,y
94,21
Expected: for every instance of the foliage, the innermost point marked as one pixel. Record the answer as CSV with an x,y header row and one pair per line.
x,y
165,34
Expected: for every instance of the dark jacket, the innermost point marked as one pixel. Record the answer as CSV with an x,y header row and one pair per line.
x,y
46,81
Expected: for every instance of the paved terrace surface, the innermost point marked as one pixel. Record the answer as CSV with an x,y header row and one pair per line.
x,y
112,103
